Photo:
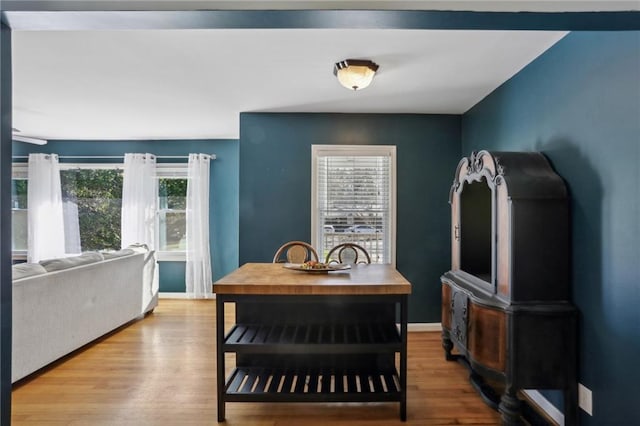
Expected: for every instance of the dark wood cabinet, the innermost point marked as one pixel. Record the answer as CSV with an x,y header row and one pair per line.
x,y
506,309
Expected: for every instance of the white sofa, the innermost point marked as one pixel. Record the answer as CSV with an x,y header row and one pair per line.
x,y
75,302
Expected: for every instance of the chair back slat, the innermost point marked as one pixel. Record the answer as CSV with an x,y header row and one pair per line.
x,y
295,252
348,253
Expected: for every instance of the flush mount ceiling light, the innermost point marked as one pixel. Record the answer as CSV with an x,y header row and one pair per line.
x,y
355,74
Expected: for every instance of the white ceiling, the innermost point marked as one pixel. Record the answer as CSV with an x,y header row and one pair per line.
x,y
193,84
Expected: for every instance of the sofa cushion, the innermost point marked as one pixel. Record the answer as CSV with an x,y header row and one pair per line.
x,y
117,253
69,262
24,270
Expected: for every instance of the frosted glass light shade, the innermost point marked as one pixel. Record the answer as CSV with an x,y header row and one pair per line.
x,y
355,74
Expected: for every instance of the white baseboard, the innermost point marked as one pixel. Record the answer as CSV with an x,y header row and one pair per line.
x,y
544,404
169,295
424,326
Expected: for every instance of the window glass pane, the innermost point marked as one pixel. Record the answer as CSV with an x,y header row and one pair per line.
x,y
19,215
173,193
19,193
172,229
93,199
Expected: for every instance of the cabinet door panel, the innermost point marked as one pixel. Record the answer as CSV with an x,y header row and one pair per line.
x,y
446,307
487,337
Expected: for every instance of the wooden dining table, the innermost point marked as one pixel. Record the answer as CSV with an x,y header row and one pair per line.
x,y
303,336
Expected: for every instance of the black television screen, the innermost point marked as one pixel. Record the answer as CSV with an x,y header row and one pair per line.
x,y
475,229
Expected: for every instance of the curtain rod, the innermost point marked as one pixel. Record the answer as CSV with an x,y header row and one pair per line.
x,y
114,157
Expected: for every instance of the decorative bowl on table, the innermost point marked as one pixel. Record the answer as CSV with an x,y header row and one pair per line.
x,y
317,267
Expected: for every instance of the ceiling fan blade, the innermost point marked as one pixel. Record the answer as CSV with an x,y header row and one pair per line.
x,y
29,139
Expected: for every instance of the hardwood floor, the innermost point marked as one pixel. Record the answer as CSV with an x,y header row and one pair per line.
x,y
161,371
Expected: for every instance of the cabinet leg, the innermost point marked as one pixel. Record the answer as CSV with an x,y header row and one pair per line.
x,y
510,408
489,396
447,345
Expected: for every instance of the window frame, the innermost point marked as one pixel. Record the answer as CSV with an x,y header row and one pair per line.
x,y
355,151
170,171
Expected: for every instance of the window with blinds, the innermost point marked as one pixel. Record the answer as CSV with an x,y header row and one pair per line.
x,y
354,199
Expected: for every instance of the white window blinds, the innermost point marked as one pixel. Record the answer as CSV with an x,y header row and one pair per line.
x,y
355,199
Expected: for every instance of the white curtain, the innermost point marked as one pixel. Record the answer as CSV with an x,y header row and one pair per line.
x,y
139,200
139,206
198,270
72,242
45,216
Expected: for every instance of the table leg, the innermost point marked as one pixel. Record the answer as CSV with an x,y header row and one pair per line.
x,y
403,357
220,372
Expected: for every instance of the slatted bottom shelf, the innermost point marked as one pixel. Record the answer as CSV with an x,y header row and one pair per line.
x,y
253,384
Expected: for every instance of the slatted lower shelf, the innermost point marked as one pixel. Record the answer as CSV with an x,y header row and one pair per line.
x,y
304,337
253,384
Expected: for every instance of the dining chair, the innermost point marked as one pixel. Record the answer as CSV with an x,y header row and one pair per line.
x,y
348,253
295,252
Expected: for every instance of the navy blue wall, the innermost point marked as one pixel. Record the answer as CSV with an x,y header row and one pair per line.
x,y
223,202
579,103
275,183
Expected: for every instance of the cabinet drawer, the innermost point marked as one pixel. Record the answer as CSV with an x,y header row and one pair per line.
x,y
487,338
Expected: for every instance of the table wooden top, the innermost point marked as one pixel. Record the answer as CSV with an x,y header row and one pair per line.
x,y
275,279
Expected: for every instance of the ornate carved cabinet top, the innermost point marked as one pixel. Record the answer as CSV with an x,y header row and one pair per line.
x,y
509,233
